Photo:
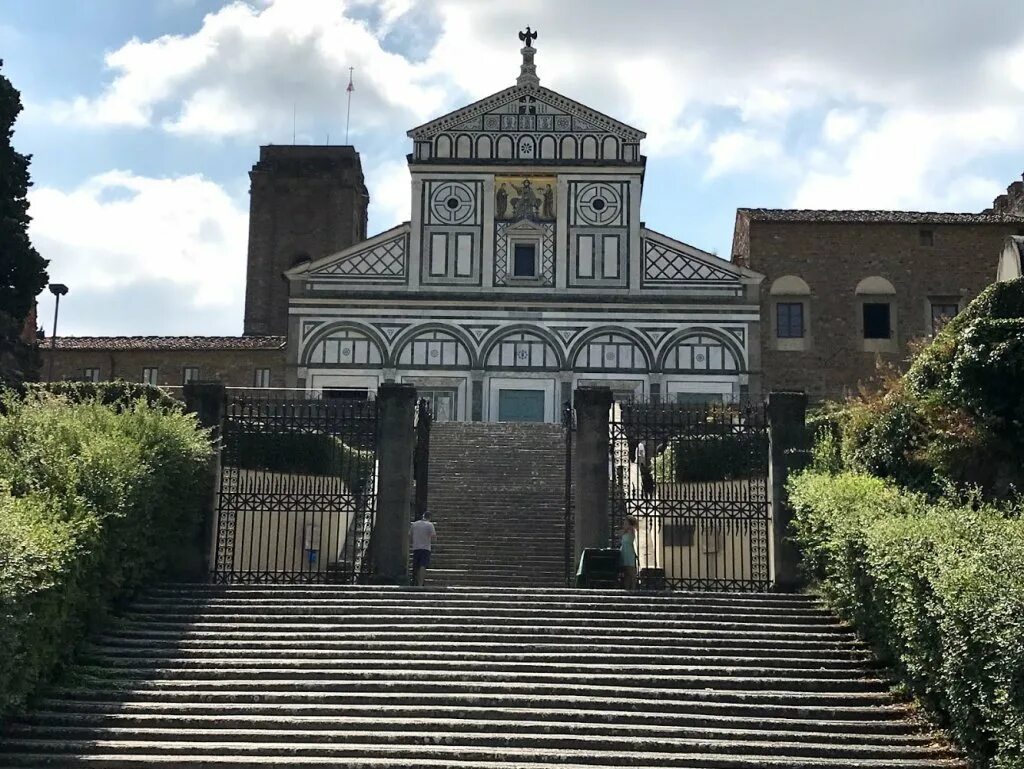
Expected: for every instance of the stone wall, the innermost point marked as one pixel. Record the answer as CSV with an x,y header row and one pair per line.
x,y
832,258
235,368
1010,203
305,202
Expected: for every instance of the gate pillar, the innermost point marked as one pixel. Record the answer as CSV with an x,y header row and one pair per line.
x,y
396,445
206,401
593,528
788,451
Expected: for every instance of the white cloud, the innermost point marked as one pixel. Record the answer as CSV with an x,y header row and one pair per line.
x,y
841,125
744,151
390,196
117,229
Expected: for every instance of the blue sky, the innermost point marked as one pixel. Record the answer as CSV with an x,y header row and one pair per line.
x,y
144,116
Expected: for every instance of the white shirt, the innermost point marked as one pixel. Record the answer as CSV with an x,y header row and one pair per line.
x,y
422,533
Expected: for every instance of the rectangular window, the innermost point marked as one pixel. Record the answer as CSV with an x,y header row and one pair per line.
x,y
585,256
262,377
149,376
926,237
91,375
463,255
438,254
789,320
876,320
610,257
189,374
524,260
942,312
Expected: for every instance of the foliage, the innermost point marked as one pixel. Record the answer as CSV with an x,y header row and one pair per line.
x,y
305,453
957,416
711,458
117,393
939,589
22,269
94,502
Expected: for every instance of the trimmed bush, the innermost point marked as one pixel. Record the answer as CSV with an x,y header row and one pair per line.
x,y
937,587
117,393
305,453
95,502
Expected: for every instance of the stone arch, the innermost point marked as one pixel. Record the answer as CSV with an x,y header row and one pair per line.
x,y
875,286
611,337
505,148
790,285
704,350
568,149
327,347
610,148
464,146
483,147
588,148
455,348
535,335
548,148
443,146
526,148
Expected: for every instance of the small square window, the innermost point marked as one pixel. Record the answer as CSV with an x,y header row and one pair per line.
x,y
789,318
189,374
926,237
91,375
942,312
149,376
524,260
262,377
876,320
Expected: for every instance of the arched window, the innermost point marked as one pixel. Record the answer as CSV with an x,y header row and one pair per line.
x,y
610,352
522,350
791,312
434,349
345,347
790,285
701,351
875,286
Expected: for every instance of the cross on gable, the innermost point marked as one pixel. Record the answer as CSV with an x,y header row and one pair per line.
x,y
527,105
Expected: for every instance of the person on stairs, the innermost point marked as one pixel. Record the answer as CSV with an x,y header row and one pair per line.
x,y
628,552
422,534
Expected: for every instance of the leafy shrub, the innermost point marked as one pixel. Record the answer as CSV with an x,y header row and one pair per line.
x,y
957,416
937,587
305,453
95,502
118,393
712,458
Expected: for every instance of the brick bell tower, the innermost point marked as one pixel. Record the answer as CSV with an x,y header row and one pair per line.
x,y
305,202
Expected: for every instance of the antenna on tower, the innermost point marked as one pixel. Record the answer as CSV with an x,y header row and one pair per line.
x,y
348,113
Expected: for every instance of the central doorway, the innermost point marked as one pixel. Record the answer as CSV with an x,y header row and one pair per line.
x,y
520,405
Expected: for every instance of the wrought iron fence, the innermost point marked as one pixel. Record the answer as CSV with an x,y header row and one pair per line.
x,y
694,477
298,489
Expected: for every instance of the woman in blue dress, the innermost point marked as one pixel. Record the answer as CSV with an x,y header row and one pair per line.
x,y
628,553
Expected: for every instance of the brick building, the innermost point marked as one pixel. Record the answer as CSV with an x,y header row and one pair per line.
x,y
238,361
845,290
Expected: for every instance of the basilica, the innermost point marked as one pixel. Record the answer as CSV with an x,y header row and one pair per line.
x,y
526,271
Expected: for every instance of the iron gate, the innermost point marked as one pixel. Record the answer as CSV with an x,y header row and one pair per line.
x,y
298,489
695,477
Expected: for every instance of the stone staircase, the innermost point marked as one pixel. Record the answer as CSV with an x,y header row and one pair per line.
x,y
472,678
497,497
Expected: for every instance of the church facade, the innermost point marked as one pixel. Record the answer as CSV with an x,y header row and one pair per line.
x,y
526,271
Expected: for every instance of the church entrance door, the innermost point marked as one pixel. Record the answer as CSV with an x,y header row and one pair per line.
x,y
521,406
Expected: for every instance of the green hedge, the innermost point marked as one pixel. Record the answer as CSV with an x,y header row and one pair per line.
x,y
712,458
305,453
117,393
95,502
938,588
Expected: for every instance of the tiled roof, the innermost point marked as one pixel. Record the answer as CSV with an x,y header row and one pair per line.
x,y
168,342
874,217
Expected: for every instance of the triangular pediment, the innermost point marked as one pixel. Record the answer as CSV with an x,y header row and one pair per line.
x,y
545,110
383,258
668,262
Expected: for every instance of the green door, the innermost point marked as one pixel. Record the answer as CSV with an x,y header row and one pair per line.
x,y
521,406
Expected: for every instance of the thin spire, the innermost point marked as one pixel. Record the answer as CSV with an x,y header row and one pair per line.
x,y
528,70
348,113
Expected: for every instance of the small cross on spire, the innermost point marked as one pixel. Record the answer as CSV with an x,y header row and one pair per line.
x,y
528,71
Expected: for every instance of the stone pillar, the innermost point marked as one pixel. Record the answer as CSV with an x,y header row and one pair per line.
x,y
590,473
788,452
207,401
476,397
396,443
421,465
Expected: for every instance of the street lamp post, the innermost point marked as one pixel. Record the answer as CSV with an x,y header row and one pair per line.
x,y
58,290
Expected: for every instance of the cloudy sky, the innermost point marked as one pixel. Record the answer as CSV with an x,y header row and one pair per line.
x,y
144,116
